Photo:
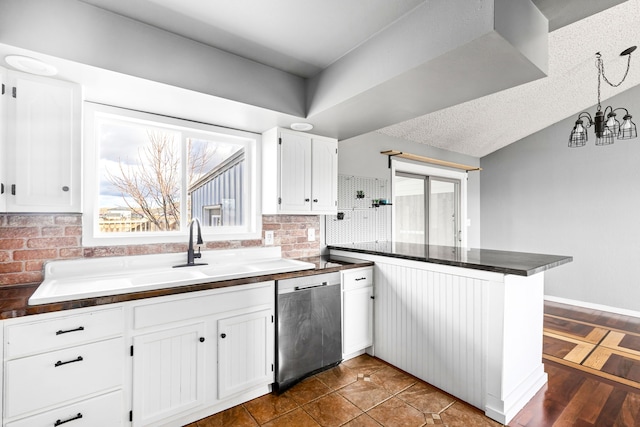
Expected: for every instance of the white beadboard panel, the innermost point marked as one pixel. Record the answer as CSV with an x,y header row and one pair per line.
x,y
362,222
431,325
475,334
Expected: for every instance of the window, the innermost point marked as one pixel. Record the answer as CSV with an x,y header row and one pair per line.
x,y
429,205
146,176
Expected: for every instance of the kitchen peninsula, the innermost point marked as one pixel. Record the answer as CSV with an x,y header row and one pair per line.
x,y
468,321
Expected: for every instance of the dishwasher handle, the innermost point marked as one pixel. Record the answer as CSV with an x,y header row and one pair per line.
x,y
304,288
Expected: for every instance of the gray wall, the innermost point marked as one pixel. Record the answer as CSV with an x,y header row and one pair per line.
x,y
538,195
360,156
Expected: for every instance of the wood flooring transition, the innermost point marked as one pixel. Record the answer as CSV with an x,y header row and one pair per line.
x,y
592,359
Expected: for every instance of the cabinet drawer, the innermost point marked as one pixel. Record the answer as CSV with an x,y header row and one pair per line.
x,y
53,333
101,411
48,379
357,278
170,310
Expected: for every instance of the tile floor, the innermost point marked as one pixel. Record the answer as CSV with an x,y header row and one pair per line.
x,y
360,392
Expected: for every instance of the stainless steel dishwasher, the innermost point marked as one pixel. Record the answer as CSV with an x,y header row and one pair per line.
x,y
309,325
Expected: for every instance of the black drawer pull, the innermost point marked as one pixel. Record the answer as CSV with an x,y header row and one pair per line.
x,y
223,335
361,278
60,363
60,422
60,332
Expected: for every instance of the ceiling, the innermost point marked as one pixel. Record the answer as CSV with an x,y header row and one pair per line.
x,y
300,37
309,42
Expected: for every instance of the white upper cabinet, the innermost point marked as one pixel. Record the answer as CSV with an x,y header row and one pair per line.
x,y
3,139
300,173
42,146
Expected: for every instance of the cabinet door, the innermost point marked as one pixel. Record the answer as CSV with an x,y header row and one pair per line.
x,y
295,173
324,179
245,352
168,373
357,328
43,145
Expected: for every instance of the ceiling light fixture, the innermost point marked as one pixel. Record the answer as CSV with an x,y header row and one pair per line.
x,y
31,65
301,126
606,129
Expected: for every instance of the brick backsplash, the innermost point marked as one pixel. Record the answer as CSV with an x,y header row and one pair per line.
x,y
27,241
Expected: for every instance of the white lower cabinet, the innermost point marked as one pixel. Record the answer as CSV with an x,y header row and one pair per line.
x,y
244,359
168,371
65,367
357,310
165,361
197,354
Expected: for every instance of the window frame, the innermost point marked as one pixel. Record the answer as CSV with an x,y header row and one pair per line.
x,y
91,235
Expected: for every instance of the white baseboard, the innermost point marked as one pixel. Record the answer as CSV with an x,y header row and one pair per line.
x,y
600,307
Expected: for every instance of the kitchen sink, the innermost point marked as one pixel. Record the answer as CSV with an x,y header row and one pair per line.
x,y
78,279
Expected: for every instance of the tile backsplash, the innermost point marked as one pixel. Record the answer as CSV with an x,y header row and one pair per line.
x,y
27,241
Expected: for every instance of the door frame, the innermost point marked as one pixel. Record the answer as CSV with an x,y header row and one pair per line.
x,y
422,169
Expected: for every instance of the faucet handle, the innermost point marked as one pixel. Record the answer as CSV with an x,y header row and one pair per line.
x,y
198,254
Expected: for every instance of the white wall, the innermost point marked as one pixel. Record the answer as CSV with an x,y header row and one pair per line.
x,y
360,156
538,195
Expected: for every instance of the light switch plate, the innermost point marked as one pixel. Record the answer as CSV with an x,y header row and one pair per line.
x,y
268,238
311,234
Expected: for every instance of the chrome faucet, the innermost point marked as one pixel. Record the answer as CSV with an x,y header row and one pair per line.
x,y
191,253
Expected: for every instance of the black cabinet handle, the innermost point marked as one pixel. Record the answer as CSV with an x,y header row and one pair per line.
x,y
306,200
372,297
60,422
13,189
65,188
361,278
315,200
223,335
60,363
60,332
201,339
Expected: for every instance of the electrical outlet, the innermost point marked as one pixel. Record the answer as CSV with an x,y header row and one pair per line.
x,y
311,234
268,238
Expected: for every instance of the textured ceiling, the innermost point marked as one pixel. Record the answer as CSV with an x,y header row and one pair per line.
x,y
487,124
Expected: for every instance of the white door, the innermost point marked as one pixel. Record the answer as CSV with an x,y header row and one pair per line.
x,y
245,352
168,373
358,320
295,173
43,144
324,179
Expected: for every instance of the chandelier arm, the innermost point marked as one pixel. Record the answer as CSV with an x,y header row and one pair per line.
x,y
586,115
613,110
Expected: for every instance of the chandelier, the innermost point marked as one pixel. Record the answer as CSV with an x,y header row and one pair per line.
x,y
606,125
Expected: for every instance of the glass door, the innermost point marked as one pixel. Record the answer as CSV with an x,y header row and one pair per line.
x,y
427,209
444,208
410,202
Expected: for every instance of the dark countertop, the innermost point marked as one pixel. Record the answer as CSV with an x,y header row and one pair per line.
x,y
505,262
14,298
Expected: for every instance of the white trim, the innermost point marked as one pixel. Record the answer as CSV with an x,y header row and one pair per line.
x,y
423,169
593,306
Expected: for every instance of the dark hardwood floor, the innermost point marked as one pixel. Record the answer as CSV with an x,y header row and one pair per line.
x,y
581,396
